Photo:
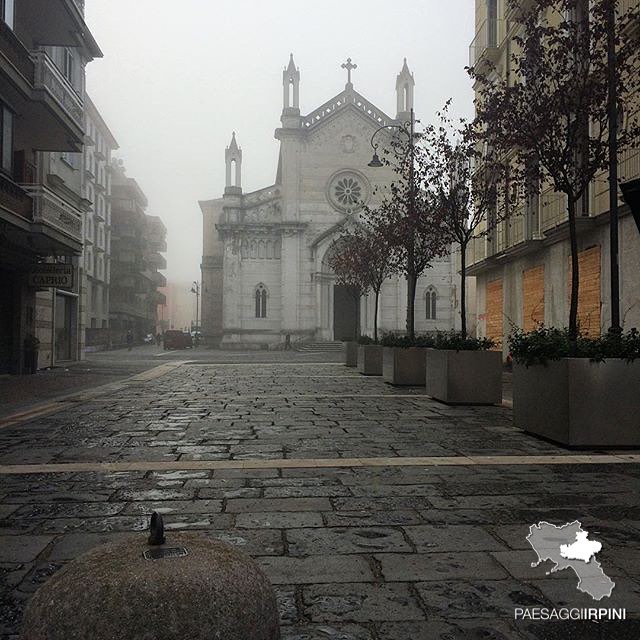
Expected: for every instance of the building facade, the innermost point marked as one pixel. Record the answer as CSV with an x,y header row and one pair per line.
x,y
136,243
96,259
44,48
523,269
265,272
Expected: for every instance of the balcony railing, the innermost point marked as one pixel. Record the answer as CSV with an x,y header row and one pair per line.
x,y
15,52
49,78
553,209
159,279
53,211
156,260
15,199
476,250
516,227
629,165
487,42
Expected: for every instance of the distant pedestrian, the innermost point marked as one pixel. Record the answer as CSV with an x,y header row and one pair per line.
x,y
158,339
129,340
287,342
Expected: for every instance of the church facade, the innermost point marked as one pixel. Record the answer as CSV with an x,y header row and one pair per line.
x,y
265,272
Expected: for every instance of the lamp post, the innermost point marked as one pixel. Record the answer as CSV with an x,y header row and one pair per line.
x,y
408,128
196,289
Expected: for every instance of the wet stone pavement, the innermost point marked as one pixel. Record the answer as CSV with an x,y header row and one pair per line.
x,y
361,552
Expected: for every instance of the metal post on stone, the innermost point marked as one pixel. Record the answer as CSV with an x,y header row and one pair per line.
x,y
190,586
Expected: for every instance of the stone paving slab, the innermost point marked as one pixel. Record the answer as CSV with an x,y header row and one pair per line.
x,y
366,544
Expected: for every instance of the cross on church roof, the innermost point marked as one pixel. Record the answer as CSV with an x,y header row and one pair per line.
x,y
349,66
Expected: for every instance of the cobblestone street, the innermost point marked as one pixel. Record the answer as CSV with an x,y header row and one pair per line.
x,y
376,512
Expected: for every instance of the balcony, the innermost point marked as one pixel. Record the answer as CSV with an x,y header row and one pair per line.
x,y
57,23
156,260
476,251
55,219
553,210
56,91
15,53
14,199
516,12
487,43
159,279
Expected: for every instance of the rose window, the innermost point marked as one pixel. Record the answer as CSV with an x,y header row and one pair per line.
x,y
348,192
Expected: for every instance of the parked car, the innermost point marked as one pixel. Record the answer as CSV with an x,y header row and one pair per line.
x,y
174,339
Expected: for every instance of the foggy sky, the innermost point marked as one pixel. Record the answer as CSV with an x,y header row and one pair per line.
x,y
178,77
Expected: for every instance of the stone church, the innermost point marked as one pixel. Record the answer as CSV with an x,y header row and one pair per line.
x,y
265,270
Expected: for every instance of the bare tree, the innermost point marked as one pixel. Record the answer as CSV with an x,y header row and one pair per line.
x,y
464,185
551,112
407,218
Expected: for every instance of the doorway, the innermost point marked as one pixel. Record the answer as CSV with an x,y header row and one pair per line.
x,y
7,323
345,313
63,327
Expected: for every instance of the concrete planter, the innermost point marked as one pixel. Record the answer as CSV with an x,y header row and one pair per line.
x,y
370,359
404,367
579,403
351,354
464,377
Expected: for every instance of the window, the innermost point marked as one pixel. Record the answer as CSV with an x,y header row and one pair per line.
x,y
261,301
67,64
492,23
431,299
7,12
6,139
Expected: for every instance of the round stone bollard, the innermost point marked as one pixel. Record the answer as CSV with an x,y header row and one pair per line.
x,y
191,587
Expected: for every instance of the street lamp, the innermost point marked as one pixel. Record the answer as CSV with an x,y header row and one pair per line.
x,y
196,289
408,128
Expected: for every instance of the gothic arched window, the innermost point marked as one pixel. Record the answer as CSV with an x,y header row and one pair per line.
x,y
431,299
261,249
261,301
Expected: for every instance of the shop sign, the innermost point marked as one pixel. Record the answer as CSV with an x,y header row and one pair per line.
x,y
58,276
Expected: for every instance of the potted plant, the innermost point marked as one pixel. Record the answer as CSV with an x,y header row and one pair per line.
x,y
369,357
351,353
403,359
463,370
579,393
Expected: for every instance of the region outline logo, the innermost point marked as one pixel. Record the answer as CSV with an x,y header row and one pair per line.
x,y
568,547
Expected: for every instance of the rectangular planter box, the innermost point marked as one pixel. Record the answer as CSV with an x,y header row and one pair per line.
x,y
404,367
351,354
370,359
464,377
579,403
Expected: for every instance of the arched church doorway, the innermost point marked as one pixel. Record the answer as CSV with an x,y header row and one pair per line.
x,y
340,307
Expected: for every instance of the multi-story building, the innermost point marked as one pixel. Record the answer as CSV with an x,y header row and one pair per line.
x,y
523,267
95,264
44,47
136,243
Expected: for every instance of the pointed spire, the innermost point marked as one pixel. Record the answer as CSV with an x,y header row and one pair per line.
x,y
291,86
292,65
405,83
233,162
233,146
